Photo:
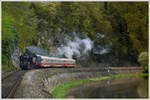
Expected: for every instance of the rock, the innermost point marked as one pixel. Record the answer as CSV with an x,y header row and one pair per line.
x,y
15,58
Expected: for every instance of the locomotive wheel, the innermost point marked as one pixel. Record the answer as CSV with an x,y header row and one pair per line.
x,y
36,67
22,68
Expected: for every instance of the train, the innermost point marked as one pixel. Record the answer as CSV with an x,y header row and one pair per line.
x,y
35,57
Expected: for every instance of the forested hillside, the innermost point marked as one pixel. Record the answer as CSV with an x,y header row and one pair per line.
x,y
122,25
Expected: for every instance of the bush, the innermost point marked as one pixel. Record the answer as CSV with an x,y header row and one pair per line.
x,y
143,60
4,59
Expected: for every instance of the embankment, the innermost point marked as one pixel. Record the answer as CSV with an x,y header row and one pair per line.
x,y
40,83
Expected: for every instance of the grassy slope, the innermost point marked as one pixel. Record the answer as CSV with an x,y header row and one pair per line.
x,y
60,90
8,69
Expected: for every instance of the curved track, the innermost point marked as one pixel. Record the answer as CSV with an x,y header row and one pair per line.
x,y
11,83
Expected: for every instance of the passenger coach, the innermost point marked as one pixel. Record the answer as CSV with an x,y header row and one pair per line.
x,y
55,62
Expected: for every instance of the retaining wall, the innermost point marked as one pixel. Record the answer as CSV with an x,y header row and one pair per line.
x,y
41,82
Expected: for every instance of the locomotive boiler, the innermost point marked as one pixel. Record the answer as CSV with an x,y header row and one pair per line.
x,y
35,57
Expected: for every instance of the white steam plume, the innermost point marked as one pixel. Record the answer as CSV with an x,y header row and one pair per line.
x,y
77,47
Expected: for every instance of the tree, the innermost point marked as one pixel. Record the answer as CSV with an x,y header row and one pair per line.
x,y
10,38
143,60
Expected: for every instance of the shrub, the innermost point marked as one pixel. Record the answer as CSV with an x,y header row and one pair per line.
x,y
143,60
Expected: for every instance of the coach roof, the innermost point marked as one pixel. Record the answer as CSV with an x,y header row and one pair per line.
x,y
55,58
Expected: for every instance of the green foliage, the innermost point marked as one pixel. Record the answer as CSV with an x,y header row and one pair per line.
x,y
124,24
24,21
8,69
135,15
4,59
60,90
143,60
9,37
18,29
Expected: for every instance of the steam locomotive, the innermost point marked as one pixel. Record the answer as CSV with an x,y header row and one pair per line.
x,y
35,57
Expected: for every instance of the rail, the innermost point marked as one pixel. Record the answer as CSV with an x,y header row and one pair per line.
x,y
10,83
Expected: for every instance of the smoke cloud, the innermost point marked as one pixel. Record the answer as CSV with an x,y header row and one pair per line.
x,y
76,47
101,50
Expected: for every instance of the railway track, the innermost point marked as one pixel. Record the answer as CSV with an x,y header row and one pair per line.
x,y
10,83
8,74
